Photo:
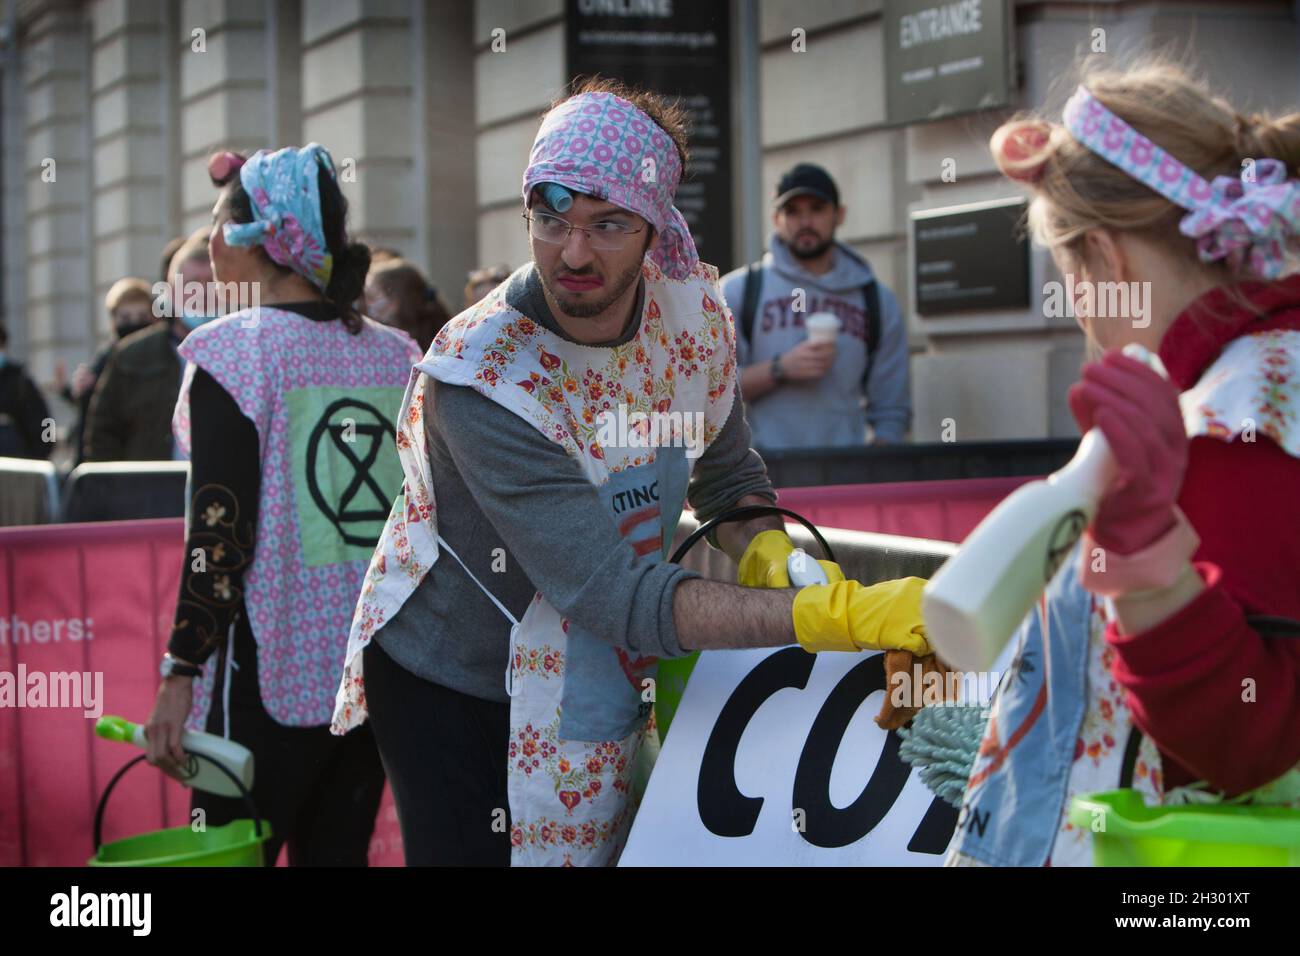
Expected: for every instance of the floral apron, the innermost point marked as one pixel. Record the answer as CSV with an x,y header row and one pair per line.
x,y
1060,725
578,707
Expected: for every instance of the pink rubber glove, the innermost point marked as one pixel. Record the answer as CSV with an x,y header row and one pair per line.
x,y
1137,410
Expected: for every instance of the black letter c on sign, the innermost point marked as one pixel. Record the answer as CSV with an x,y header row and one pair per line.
x,y
724,810
827,826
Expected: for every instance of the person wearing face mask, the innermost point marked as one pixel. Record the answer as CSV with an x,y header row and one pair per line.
x,y
128,417
286,411
129,304
1159,659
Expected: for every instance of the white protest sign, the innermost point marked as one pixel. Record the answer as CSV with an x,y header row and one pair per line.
x,y
773,758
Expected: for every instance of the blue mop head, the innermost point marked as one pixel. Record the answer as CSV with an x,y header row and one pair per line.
x,y
941,744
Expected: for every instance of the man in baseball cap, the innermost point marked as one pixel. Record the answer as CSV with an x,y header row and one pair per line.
x,y
809,362
808,179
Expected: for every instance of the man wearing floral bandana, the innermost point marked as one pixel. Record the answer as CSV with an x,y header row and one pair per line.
x,y
510,684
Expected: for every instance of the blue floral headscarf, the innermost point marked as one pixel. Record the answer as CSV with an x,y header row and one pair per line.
x,y
282,188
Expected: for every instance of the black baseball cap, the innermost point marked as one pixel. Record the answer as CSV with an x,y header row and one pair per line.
x,y
806,179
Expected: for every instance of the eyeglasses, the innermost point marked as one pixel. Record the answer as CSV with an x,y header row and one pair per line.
x,y
604,236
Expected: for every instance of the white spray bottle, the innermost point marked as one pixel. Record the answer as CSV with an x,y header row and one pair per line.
x,y
976,601
199,774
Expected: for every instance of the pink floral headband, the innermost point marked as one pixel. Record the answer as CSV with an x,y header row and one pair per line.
x,y
602,145
1254,218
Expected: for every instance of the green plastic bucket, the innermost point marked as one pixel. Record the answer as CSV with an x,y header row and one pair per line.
x,y
670,684
238,843
1127,832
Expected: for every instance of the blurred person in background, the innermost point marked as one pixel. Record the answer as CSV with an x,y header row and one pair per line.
x,y
482,281
801,393
286,412
23,411
398,294
169,251
129,417
129,305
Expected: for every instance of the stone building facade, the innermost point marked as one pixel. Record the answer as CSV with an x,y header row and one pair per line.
x,y
109,108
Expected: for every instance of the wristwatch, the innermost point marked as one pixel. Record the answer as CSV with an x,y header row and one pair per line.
x,y
777,374
172,667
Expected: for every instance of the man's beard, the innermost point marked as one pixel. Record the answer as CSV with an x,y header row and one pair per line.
x,y
587,310
810,253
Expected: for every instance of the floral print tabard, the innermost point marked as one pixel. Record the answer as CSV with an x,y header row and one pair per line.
x,y
569,796
1252,388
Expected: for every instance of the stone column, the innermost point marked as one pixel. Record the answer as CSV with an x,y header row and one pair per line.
x,y
357,102
225,91
58,312
129,153
513,85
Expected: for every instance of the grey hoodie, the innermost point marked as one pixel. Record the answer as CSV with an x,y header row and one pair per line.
x,y
828,411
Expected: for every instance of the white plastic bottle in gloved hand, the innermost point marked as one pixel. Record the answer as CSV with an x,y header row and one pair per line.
x,y
200,773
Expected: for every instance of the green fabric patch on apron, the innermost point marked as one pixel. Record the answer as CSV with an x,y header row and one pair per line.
x,y
346,472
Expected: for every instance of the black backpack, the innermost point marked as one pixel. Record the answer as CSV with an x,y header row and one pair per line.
x,y
749,308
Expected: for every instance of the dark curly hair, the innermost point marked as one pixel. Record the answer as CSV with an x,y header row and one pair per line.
x,y
351,260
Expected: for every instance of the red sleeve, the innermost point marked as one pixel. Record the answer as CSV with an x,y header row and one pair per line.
x,y
1213,693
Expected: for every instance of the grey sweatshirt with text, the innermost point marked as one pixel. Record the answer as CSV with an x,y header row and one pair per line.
x,y
828,411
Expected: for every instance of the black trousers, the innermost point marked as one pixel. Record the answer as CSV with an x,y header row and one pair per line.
x,y
445,755
319,792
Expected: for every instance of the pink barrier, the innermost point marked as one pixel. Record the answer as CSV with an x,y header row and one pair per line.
x,y
939,510
92,598
99,598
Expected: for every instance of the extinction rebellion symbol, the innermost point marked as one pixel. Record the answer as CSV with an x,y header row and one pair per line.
x,y
1062,539
358,436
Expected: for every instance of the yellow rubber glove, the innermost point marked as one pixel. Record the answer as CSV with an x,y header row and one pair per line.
x,y
849,616
763,565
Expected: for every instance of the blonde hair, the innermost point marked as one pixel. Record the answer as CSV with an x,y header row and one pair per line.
x,y
126,290
1074,190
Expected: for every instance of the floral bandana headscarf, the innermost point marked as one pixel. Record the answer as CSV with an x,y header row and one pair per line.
x,y
601,145
286,222
1253,219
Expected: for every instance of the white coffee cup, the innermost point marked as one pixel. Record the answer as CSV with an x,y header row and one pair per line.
x,y
822,327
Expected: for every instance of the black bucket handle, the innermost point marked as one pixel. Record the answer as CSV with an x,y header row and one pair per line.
x,y
243,794
743,513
